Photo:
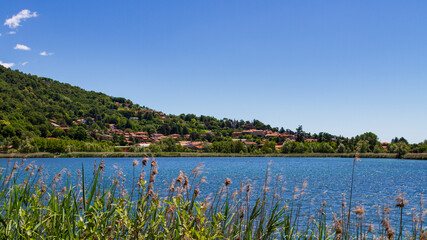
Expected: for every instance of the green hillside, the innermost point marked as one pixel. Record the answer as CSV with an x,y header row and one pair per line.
x,y
32,107
39,114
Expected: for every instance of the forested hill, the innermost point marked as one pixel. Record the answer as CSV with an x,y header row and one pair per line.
x,y
32,106
39,114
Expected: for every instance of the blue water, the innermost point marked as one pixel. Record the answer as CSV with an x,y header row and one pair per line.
x,y
376,181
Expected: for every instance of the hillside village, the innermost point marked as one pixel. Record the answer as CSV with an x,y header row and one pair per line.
x,y
144,139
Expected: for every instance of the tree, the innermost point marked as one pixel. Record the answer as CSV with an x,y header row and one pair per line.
x,y
300,134
269,147
341,148
371,138
57,132
81,134
363,146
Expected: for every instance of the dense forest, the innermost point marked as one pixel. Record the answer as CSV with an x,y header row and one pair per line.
x,y
39,114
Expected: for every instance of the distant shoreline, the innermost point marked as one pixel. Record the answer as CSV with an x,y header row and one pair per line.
x,y
409,156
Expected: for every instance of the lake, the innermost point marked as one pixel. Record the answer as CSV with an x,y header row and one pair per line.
x,y
376,181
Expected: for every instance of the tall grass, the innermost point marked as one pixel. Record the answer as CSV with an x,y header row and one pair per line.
x,y
70,207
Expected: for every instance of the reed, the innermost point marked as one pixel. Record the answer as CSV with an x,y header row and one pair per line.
x,y
31,208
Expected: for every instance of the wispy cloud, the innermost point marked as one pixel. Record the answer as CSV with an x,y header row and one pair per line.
x,y
22,47
24,63
46,53
0,34
15,21
7,65
12,32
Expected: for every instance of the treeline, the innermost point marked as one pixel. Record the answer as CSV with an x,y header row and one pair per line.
x,y
40,144
365,143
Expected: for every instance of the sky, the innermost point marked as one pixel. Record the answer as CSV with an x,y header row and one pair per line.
x,y
343,67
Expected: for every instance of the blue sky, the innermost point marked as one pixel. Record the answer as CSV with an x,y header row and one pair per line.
x,y
342,67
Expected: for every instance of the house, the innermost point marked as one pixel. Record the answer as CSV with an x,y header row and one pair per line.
x,y
199,147
142,144
175,136
157,136
310,140
184,143
288,135
384,145
210,133
238,139
236,134
272,134
134,118
254,132
250,143
106,136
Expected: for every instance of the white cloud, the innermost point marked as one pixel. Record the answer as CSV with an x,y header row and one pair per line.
x,y
15,21
7,65
12,32
0,34
22,47
46,53
24,63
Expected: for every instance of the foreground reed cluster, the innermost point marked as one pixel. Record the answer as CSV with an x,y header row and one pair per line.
x,y
73,208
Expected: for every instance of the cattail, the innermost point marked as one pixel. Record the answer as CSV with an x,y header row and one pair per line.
x,y
27,168
390,234
227,182
371,228
15,166
387,210
172,187
186,182
196,192
180,177
135,162
43,189
235,193
170,210
400,201
144,161
197,170
150,193
63,190
360,210
304,186
202,181
102,165
153,163
152,177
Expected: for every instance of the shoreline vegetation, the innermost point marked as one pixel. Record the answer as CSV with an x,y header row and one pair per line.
x,y
75,207
408,156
